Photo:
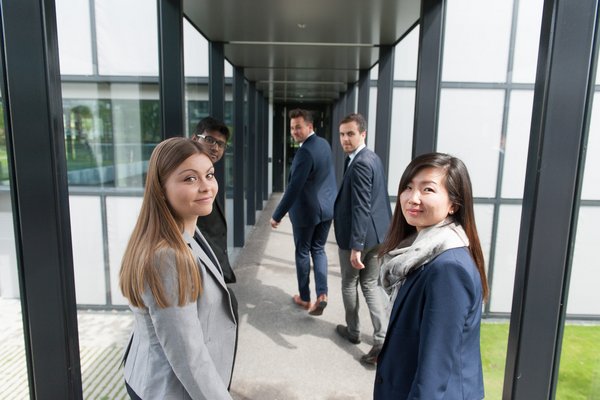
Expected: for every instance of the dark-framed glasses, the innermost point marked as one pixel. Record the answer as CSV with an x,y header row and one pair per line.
x,y
211,141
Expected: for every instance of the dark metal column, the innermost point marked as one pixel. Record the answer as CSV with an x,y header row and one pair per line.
x,y
266,160
251,166
385,92
239,222
364,91
216,101
336,148
560,121
259,150
279,124
351,98
170,52
429,75
40,198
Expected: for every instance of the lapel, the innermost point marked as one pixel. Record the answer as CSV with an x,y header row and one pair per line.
x,y
220,211
402,292
346,175
203,258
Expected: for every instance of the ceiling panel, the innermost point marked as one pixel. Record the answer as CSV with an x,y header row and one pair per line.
x,y
303,48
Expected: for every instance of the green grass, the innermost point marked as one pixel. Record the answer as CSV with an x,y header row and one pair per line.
x,y
579,375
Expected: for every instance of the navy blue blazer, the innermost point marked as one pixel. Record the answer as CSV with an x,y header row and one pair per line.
x,y
362,212
431,350
311,188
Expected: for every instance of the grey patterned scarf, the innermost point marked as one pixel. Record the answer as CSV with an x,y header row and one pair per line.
x,y
421,248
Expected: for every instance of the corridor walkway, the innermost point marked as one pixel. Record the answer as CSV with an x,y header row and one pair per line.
x,y
283,353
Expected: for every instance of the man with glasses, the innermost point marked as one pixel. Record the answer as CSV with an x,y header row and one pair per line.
x,y
214,134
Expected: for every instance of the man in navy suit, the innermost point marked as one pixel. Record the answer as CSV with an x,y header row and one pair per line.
x,y
309,199
361,218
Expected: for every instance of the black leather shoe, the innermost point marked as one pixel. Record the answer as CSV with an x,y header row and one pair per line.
x,y
342,330
371,357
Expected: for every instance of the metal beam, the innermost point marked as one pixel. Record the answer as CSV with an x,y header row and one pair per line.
x,y
251,187
239,160
364,91
559,127
385,86
259,150
216,101
429,75
170,53
39,189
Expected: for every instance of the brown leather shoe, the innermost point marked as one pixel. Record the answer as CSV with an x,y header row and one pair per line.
x,y
304,304
319,306
371,357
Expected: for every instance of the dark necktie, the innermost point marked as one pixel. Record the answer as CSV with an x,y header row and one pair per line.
x,y
346,162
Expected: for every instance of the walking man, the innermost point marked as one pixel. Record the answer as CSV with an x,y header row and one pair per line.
x,y
361,218
309,199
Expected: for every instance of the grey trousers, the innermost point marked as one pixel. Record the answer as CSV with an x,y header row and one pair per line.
x,y
374,294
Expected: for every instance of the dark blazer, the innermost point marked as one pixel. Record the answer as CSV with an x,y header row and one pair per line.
x,y
362,208
431,350
214,228
311,189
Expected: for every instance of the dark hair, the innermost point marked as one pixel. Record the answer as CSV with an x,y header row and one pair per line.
x,y
210,124
300,113
458,185
358,118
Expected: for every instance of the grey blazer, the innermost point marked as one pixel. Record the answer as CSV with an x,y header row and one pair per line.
x,y
183,352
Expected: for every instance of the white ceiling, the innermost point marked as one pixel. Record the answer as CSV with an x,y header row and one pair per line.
x,y
302,50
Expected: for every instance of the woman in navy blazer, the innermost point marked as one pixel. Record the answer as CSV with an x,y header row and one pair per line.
x,y
184,327
433,269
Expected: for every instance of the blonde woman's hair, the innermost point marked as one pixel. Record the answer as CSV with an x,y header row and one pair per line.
x,y
158,228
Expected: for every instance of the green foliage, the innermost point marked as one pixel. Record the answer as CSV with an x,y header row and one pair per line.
x,y
579,374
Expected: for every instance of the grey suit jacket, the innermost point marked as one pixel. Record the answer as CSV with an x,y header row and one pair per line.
x,y
183,352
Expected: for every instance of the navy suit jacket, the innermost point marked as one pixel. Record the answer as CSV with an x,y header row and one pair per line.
x,y
362,208
311,189
431,350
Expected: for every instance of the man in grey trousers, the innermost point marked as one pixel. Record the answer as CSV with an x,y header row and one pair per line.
x,y
362,215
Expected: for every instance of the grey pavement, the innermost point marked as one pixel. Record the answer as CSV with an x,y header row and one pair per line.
x,y
283,353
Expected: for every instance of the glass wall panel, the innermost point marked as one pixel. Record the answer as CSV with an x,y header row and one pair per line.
x,y
406,57
111,118
476,40
14,383
591,174
484,220
469,128
75,37
372,120
126,37
579,372
507,243
517,143
403,106
196,76
527,40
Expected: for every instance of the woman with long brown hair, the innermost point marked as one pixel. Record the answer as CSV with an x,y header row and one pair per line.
x,y
433,270
184,329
